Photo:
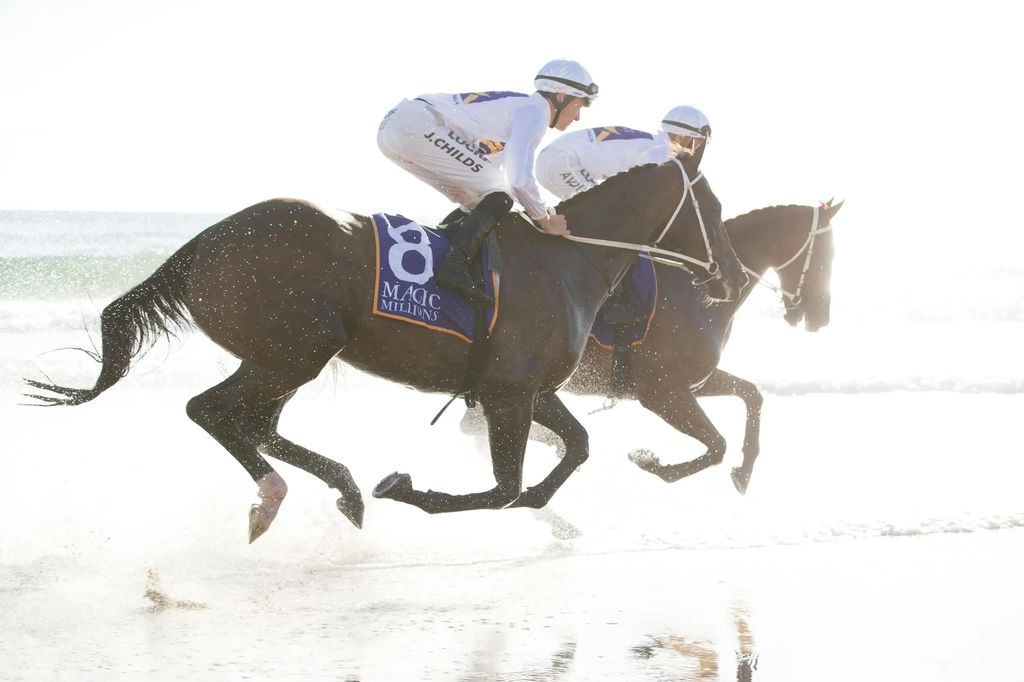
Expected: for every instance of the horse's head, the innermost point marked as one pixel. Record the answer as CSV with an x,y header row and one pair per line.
x,y
805,270
699,232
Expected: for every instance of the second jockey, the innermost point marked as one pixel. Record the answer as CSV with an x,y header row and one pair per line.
x,y
478,149
580,160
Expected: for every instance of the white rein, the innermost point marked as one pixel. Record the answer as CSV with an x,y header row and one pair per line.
x,y
710,265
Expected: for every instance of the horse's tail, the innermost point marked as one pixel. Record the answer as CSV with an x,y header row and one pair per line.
x,y
132,323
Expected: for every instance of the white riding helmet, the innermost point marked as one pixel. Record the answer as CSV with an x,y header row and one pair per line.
x,y
687,121
567,77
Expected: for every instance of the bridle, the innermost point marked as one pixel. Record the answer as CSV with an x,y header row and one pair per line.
x,y
664,255
794,299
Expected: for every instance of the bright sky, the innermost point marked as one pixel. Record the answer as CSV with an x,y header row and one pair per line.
x,y
910,111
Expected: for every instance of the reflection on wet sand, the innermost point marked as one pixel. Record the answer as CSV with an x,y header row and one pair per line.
x,y
487,663
561,660
705,653
746,659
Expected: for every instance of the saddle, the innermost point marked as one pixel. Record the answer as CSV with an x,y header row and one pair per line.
x,y
405,289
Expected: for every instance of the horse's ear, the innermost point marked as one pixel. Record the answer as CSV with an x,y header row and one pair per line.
x,y
832,210
825,205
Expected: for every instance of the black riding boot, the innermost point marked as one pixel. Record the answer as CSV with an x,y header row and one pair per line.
x,y
453,272
615,311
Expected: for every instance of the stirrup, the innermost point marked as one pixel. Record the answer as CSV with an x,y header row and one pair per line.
x,y
608,404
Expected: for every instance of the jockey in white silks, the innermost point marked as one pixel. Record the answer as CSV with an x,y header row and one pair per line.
x,y
580,160
478,149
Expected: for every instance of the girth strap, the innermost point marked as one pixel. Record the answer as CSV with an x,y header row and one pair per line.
x,y
481,333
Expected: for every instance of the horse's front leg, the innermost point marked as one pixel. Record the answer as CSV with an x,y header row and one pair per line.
x,y
508,421
722,383
678,407
551,412
475,424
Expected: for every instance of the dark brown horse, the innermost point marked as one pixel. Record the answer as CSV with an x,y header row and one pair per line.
x,y
678,360
286,287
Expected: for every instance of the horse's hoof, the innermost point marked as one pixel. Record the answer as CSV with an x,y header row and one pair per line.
x,y
272,491
392,484
259,521
352,507
740,480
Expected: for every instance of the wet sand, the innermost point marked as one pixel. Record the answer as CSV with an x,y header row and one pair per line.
x,y
940,607
123,554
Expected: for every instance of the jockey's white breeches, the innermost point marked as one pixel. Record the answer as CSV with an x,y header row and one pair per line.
x,y
560,173
416,138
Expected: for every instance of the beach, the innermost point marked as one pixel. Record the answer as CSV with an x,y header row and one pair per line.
x,y
881,536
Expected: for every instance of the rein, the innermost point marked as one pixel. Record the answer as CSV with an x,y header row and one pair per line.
x,y
645,250
808,245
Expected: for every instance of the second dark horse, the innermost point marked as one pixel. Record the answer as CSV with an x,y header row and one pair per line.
x,y
286,286
678,360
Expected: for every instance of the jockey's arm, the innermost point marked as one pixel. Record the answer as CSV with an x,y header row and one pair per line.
x,y
660,150
528,127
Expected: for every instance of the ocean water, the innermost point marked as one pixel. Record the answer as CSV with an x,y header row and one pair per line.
x,y
880,537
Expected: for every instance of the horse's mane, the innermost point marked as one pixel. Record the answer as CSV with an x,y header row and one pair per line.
x,y
757,215
607,183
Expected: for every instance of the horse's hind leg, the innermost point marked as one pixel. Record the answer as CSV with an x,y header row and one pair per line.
x,y
679,408
222,412
508,421
262,424
722,383
551,412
